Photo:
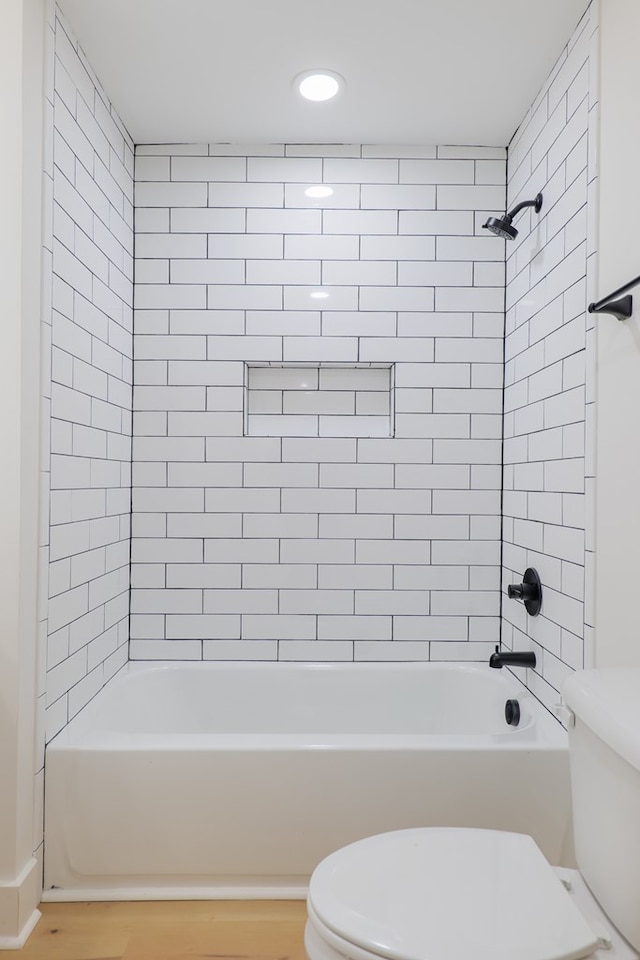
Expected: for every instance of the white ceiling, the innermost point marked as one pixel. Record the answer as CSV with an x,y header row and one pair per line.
x,y
417,71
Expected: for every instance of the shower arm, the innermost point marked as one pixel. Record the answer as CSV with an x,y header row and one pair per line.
x,y
537,203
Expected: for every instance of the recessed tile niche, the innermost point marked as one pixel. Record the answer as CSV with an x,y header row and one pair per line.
x,y
320,400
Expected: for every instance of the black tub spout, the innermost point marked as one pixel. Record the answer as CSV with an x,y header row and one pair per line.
x,y
511,658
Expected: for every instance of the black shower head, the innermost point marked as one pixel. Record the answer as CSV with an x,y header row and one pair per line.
x,y
503,227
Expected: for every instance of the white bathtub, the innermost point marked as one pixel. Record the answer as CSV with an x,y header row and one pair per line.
x,y
235,780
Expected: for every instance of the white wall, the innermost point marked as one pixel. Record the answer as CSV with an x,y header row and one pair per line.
x,y
618,350
548,376
21,70
88,391
316,540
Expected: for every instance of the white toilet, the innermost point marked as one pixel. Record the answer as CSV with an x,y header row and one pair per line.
x,y
456,894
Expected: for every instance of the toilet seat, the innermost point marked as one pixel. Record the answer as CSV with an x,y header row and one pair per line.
x,y
450,894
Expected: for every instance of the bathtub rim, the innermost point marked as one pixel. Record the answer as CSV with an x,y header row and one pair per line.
x,y
542,730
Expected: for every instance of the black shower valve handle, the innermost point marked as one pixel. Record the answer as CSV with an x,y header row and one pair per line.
x,y
522,591
529,592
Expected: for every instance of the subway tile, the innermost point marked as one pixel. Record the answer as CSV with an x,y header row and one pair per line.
x,y
243,247
352,527
397,248
360,222
241,601
283,272
171,194
328,298
300,247
392,602
284,221
419,577
394,451
240,650
319,401
280,525
397,298
208,168
315,500
194,322
243,449
432,628
344,196
356,475
327,349
208,627
212,220
165,296
206,373
336,627
393,501
286,170
154,649
316,650
291,576
316,601
440,476
250,195
354,426
437,273
243,500
433,375
280,475
360,171
278,425
278,627
153,168
241,297
392,651
166,601
347,272
397,197
436,223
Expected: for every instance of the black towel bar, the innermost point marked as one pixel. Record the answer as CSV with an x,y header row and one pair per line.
x,y
622,308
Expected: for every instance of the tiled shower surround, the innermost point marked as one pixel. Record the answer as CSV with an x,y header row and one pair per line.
x,y
317,403
87,383
549,398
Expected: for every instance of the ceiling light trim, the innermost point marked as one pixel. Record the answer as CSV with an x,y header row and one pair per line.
x,y
319,85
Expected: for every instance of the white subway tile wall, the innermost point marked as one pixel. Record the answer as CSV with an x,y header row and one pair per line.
x,y
274,517
87,382
549,396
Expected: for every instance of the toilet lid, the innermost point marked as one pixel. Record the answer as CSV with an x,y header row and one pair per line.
x,y
449,894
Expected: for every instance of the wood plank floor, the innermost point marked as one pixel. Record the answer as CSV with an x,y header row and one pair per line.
x,y
185,930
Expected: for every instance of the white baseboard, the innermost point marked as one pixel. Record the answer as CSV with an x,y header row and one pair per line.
x,y
70,895
18,907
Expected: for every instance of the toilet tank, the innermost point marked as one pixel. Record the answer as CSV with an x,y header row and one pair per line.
x,y
604,754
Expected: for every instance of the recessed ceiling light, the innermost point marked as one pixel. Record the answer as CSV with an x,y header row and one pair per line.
x,y
318,192
319,295
319,84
